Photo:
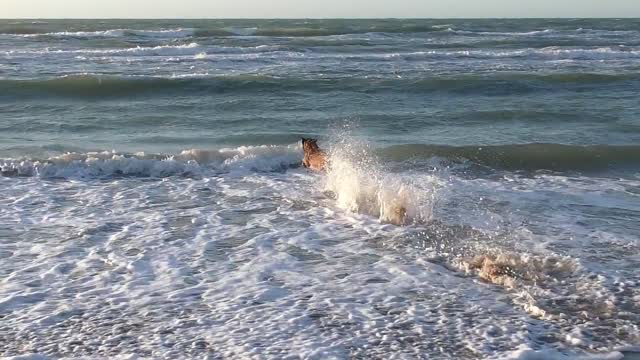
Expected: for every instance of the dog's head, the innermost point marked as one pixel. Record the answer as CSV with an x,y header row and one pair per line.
x,y
310,144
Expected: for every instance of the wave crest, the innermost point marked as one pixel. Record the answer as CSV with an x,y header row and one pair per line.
x,y
160,33
192,162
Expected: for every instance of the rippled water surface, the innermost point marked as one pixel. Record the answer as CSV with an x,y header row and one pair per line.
x,y
482,198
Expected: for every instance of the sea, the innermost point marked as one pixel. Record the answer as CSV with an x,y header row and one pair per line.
x,y
481,199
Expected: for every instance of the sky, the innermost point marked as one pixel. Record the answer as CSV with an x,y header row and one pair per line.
x,y
316,8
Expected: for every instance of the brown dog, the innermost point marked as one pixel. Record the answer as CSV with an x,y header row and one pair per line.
x,y
314,157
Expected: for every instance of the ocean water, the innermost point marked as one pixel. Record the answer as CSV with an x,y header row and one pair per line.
x,y
153,204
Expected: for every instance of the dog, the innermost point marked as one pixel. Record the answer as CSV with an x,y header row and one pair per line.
x,y
314,158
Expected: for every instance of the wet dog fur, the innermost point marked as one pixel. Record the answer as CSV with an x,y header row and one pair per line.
x,y
314,158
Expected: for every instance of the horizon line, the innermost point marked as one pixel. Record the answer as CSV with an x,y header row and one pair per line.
x,y
329,18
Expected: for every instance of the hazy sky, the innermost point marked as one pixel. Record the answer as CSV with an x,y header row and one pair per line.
x,y
315,8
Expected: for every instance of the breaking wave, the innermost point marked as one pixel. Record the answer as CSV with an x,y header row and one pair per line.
x,y
347,163
161,50
161,33
188,163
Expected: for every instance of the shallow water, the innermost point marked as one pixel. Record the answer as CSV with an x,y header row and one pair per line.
x,y
482,198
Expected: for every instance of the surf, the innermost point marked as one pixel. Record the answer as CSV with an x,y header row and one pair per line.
x,y
360,183
188,163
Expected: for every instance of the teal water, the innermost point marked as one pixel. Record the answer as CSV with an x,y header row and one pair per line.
x,y
169,85
153,202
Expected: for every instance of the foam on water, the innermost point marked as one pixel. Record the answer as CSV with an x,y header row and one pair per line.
x,y
498,248
163,33
278,52
599,53
360,184
192,162
249,261
160,50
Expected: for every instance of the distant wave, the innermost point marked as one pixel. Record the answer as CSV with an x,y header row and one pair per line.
x,y
236,31
193,50
285,52
95,85
225,31
161,33
543,33
551,52
554,157
317,31
161,50
503,33
300,31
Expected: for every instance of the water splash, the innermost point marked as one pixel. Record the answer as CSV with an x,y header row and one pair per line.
x,y
360,183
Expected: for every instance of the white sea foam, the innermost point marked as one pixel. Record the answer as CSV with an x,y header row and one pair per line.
x,y
192,50
241,253
162,33
548,32
442,26
600,53
361,185
188,163
502,33
166,33
182,267
161,50
525,352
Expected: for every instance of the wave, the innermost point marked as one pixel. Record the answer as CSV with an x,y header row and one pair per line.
x,y
191,50
283,53
161,33
166,33
551,52
96,85
91,85
544,33
86,85
504,33
545,53
528,157
193,162
318,31
161,50
233,31
310,29
349,162
444,29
